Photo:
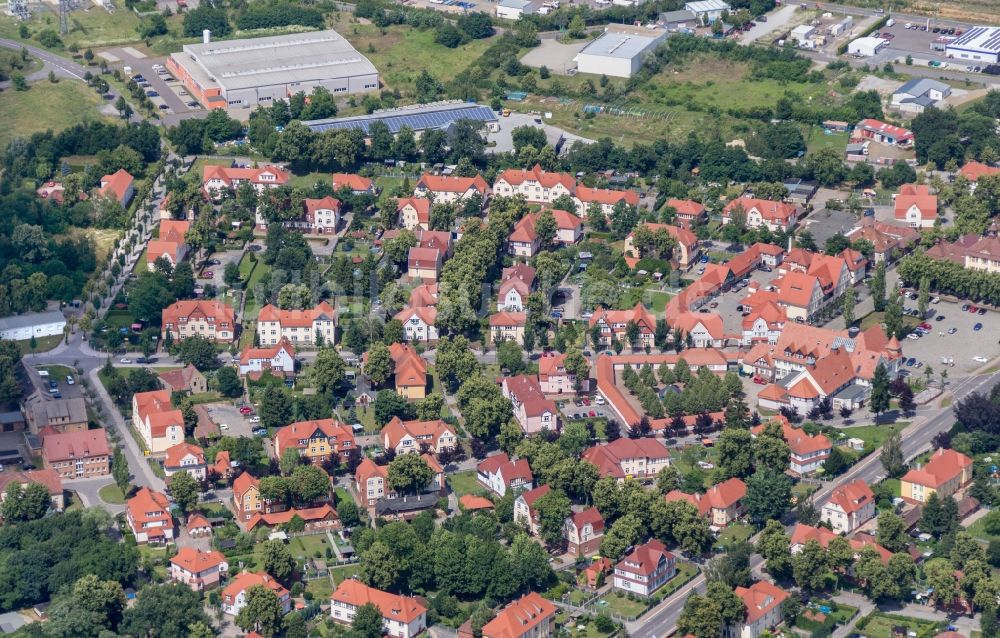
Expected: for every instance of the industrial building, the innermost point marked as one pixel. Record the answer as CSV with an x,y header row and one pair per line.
x,y
421,117
619,52
708,11
32,324
866,47
513,9
981,44
245,73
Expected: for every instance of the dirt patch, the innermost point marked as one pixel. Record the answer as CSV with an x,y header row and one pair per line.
x,y
883,87
704,67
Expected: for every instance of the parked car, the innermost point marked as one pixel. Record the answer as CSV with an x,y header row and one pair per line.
x,y
223,426
973,309
255,419
982,311
124,360
952,330
965,307
977,327
69,379
980,359
245,410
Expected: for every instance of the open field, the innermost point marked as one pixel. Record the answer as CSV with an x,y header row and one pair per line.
x,y
93,27
44,344
46,106
464,483
873,435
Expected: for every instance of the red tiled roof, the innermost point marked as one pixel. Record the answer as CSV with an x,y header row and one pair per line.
x,y
47,477
770,210
686,207
852,496
918,195
520,617
526,390
588,516
179,379
195,561
297,318
514,177
116,185
65,446
644,558
350,180
246,580
945,465
198,308
403,609
422,206
396,429
253,175
326,203
289,437
269,352
426,314
509,470
878,126
452,184
972,171
533,495
178,452
508,319
606,196
148,506
760,598
309,514
607,458
156,407
472,503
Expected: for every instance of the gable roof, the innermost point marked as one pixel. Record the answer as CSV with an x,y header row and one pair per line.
x,y
760,598
419,204
195,561
606,196
179,379
308,515
770,210
534,494
608,458
268,352
972,171
852,497
427,314
179,452
520,617
472,503
508,319
528,393
396,429
229,174
116,185
509,470
351,180
246,580
452,183
155,407
289,436
515,177
326,203
403,609
918,195
589,516
945,465
322,311
643,560
65,446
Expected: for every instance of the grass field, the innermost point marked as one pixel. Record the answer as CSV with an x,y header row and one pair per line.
x,y
735,533
91,28
873,435
111,494
817,140
46,106
621,606
880,625
43,344
57,373
463,483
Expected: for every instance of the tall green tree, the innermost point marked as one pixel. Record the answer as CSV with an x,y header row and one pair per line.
x,y
262,612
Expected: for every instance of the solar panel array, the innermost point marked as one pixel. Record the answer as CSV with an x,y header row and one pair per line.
x,y
985,38
416,120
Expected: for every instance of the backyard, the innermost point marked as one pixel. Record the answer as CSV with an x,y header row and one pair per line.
x,y
873,435
46,106
879,625
463,483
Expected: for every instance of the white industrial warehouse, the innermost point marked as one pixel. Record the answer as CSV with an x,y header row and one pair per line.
x,y
866,47
245,73
981,44
619,52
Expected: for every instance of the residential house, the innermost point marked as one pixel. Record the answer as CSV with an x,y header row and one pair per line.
x,y
722,503
148,516
414,436
800,294
757,213
971,252
216,180
198,526
247,500
419,323
213,320
77,453
402,616
372,484
532,410
119,186
945,473
553,377
185,457
508,326
686,251
278,359
536,185
764,324
313,326
318,441
614,325
60,415
414,213
530,616
223,466
357,184
807,452
857,264
688,212
706,330
802,534
915,206
498,474
972,171
187,380
888,240
315,519
156,420
763,610
410,371
918,94
424,296
524,511
849,507
584,532
882,133
169,245
603,197
47,477
424,263
623,458
524,241
516,284
319,217
647,568
449,189
197,569
234,596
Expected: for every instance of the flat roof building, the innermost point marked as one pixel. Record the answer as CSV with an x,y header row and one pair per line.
x,y
419,118
707,10
619,52
866,47
245,73
981,44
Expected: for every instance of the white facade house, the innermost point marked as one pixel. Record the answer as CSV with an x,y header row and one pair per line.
x,y
402,616
849,507
32,324
918,94
619,53
708,11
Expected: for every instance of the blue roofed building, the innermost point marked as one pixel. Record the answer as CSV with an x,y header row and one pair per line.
x,y
420,117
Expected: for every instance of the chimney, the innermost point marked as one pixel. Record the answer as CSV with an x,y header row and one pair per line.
x,y
206,36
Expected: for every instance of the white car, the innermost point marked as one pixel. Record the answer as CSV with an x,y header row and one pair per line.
x,y
69,379
599,401
980,359
223,426
124,360
255,419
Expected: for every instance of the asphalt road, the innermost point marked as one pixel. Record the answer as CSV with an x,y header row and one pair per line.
x,y
662,621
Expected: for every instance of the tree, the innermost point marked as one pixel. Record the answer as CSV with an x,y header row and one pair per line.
x,y
879,401
732,607
199,352
545,228
768,495
775,546
309,483
735,448
553,509
809,566
367,621
847,308
275,408
278,561
380,566
229,382
119,470
289,460
511,357
891,532
389,404
103,598
924,296
409,474
261,612
25,503
328,372
877,286
892,455
701,617
184,489
165,611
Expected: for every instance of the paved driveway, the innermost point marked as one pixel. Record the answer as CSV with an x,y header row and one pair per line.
x,y
167,90
218,270
965,344
229,415
775,21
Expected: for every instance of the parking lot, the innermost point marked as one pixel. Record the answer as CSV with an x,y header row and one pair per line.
x,y
915,42
228,415
216,264
584,408
170,92
961,346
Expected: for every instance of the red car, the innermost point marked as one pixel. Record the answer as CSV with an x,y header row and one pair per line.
x,y
245,410
586,401
759,381
973,309
925,326
592,413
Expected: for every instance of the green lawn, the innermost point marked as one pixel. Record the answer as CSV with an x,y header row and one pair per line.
x,y
817,140
685,572
344,572
111,494
873,435
308,546
873,318
652,299
978,529
47,106
43,344
620,605
894,485
321,588
879,625
463,483
735,533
